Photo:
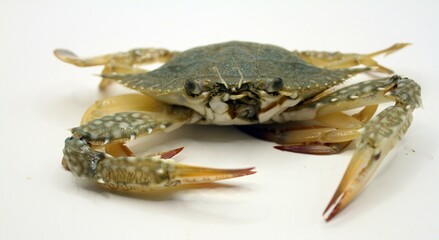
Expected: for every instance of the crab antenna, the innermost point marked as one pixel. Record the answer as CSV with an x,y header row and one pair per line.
x,y
242,78
221,78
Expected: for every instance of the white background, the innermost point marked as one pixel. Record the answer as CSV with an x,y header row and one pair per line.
x,y
41,97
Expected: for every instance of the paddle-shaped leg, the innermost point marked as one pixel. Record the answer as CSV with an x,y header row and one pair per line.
x,y
122,62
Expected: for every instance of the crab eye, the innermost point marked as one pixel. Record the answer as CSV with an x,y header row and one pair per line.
x,y
193,88
274,85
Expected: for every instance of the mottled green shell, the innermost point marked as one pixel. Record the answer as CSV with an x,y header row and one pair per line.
x,y
257,62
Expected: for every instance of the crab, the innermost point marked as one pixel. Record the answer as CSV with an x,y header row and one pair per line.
x,y
293,98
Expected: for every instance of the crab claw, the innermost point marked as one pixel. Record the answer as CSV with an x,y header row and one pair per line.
x,y
363,165
137,174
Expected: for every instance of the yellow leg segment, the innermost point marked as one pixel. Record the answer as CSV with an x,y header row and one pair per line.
x,y
334,133
122,62
334,60
327,134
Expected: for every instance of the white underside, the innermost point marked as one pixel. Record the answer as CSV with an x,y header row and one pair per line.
x,y
216,110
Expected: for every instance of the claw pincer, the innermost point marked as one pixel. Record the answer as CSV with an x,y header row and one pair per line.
x,y
379,136
137,174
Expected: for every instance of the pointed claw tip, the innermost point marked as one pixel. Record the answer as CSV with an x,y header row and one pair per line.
x,y
337,203
241,172
234,173
178,150
247,171
328,215
171,153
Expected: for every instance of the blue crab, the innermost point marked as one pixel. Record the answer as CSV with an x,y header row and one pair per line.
x,y
274,94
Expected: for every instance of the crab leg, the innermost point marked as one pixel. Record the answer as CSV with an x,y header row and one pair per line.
x,y
333,60
122,62
335,127
377,137
122,103
335,141
327,134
